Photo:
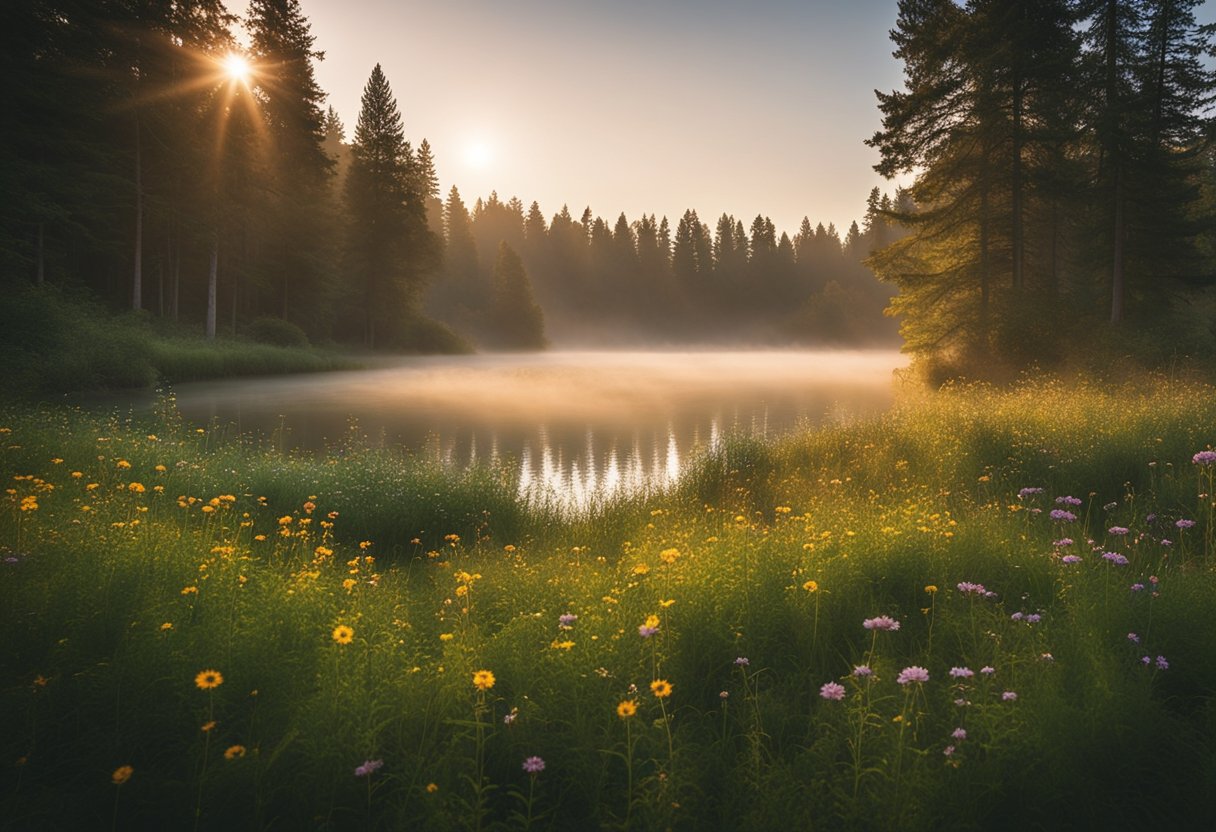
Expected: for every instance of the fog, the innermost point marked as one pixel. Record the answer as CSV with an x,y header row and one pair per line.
x,y
580,426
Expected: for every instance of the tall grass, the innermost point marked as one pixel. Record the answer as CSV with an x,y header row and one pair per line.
x,y
348,600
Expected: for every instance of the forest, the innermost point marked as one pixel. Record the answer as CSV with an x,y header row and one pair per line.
x,y
155,164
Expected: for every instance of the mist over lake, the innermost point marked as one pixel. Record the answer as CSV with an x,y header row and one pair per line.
x,y
579,424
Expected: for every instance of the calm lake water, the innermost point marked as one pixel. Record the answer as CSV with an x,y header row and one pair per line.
x,y
579,425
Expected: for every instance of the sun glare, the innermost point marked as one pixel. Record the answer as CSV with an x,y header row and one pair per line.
x,y
478,154
237,68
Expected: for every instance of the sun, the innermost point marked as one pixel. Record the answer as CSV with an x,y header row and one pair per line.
x,y
478,153
237,68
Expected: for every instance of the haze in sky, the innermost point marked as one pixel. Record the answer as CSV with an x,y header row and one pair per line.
x,y
636,105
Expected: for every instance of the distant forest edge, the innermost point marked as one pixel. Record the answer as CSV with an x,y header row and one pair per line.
x,y
1063,206
144,167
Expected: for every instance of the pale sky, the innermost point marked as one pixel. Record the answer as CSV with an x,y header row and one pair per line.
x,y
743,107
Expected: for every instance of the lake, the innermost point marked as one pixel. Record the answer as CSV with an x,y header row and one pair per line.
x,y
579,425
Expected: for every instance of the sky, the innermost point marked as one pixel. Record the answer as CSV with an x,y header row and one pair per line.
x,y
656,106
631,105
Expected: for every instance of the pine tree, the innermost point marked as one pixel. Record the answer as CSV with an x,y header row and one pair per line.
x,y
515,320
386,273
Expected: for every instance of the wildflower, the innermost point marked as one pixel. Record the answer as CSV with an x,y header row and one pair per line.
x,y
1110,506
969,588
1162,664
510,718
1068,501
534,765
1166,542
742,661
724,695
1115,558
566,620
646,632
961,672
959,733
1204,458
207,726
1017,616
1034,618
833,691
1146,660
669,556
1137,587
882,622
987,670
948,750
1133,638
343,634
1009,696
661,688
1027,492
208,679
1118,531
862,671
1062,542
483,680
446,636
562,645
1070,559
121,775
431,788
1047,657
931,589
912,674
811,586
1185,524
234,751
369,768
1062,515
627,708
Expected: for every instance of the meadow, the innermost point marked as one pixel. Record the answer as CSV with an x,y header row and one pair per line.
x,y
987,609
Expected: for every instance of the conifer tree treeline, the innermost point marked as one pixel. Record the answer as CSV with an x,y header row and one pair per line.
x,y
136,165
1062,151
641,281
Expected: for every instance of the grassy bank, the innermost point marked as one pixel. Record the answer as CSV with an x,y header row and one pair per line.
x,y
54,343
277,641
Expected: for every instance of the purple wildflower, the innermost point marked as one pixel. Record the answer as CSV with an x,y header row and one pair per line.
x,y
912,674
511,717
1185,524
534,765
368,768
1166,542
882,622
1027,492
1204,458
1067,501
1062,542
862,671
1133,638
1062,515
1115,558
1118,531
987,670
832,690
959,733
1137,587
1162,664
1150,517
1034,618
961,672
1009,696
647,632
566,620
948,750
1146,660
1017,616
968,588
1070,559
742,661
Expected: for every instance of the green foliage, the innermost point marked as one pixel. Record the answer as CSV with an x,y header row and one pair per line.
x,y
198,553
278,332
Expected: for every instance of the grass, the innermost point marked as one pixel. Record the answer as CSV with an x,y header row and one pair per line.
x,y
348,601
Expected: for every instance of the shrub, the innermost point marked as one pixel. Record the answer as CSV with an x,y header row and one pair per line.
x,y
277,332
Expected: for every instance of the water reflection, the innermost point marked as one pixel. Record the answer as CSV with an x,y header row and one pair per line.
x,y
579,427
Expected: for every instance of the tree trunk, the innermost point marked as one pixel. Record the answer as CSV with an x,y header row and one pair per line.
x,y
1016,185
1116,278
175,285
212,274
137,285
